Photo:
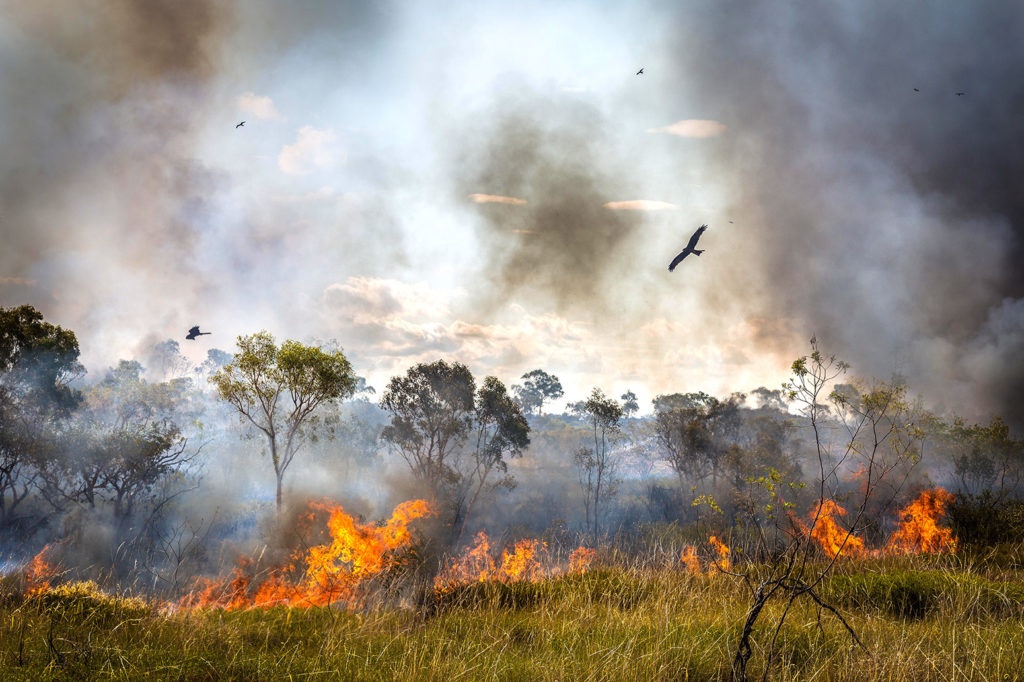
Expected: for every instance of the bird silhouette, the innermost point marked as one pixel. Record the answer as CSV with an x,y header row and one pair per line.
x,y
640,72
194,332
916,90
240,124
689,248
960,94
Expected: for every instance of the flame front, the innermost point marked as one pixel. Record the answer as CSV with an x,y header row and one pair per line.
x,y
39,574
524,562
918,529
723,553
688,558
580,560
324,574
833,538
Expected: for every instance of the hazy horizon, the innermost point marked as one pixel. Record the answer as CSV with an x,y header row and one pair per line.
x,y
496,186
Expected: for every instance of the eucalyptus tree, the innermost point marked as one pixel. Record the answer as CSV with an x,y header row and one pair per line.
x,y
38,363
538,387
278,390
597,465
454,437
500,433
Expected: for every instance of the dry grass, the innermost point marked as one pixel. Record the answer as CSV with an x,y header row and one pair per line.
x,y
921,618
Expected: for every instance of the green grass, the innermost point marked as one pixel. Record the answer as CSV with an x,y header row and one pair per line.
x,y
920,618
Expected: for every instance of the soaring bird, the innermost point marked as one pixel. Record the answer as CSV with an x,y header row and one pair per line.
x,y
960,94
689,248
194,332
640,72
240,124
916,90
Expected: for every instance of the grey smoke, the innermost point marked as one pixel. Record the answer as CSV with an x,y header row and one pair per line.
x,y
562,247
886,220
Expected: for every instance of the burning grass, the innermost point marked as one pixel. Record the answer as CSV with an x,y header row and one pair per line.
x,y
525,561
918,531
323,574
523,612
921,617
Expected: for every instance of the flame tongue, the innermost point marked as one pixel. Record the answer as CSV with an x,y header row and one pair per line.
x,y
524,562
688,558
39,574
723,553
918,530
325,573
833,538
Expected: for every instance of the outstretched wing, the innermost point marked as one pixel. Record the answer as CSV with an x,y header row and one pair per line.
x,y
678,259
693,240
194,330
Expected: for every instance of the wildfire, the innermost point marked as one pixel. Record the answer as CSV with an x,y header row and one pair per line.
x,y
524,562
580,560
325,573
688,558
918,530
39,574
723,553
833,538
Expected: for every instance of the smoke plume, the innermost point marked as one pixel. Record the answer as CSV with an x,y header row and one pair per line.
x,y
885,219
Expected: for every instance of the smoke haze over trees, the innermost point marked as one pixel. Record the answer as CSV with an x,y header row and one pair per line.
x,y
525,221
159,481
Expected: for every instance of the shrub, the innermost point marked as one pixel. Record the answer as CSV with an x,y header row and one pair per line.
x,y
987,519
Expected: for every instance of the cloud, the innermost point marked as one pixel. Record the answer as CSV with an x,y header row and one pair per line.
x,y
640,205
496,199
692,128
313,150
20,281
373,300
259,106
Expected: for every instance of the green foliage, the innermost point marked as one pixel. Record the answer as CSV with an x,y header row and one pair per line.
x,y
84,603
907,593
431,410
38,360
629,404
278,390
694,432
596,465
987,519
610,624
453,436
538,387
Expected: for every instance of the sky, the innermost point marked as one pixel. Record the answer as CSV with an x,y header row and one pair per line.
x,y
492,183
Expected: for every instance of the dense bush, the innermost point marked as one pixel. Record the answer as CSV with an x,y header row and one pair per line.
x,y
987,519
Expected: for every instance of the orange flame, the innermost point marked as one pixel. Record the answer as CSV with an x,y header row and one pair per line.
x,y
524,562
39,574
723,553
521,563
580,560
918,530
833,538
324,574
688,557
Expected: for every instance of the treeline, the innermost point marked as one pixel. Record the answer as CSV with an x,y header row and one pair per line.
x,y
129,454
